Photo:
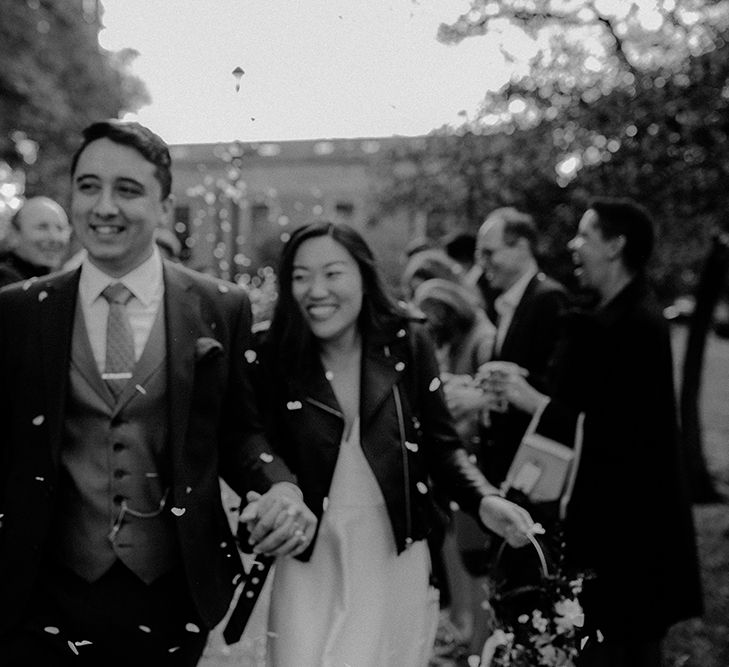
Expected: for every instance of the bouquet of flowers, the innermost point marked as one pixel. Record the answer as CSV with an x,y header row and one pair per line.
x,y
540,623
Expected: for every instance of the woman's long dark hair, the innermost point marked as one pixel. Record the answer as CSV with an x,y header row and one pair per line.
x,y
289,333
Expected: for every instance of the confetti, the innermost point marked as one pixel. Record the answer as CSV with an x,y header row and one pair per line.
x,y
178,511
422,487
329,375
188,489
401,333
140,389
266,457
173,649
38,478
51,630
38,420
250,356
412,446
191,627
42,296
294,405
145,628
434,384
400,366
72,646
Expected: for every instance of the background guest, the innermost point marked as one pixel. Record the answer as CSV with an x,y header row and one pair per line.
x,y
38,240
629,520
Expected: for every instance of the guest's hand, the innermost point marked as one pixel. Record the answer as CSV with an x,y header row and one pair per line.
x,y
463,396
508,520
279,522
515,389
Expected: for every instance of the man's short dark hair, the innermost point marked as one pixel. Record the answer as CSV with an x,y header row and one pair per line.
x,y
624,217
517,225
150,146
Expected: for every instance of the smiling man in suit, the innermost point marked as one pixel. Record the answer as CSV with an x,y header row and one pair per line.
x,y
125,395
528,309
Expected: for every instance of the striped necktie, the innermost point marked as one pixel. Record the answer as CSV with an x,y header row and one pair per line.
x,y
119,339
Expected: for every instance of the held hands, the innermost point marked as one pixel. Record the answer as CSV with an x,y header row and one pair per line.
x,y
508,384
279,522
508,520
463,395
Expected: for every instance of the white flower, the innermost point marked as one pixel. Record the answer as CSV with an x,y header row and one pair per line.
x,y
569,615
538,621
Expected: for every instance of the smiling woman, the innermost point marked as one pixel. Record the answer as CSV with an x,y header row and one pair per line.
x,y
357,410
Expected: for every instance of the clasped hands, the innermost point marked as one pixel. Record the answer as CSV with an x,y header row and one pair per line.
x,y
279,523
495,385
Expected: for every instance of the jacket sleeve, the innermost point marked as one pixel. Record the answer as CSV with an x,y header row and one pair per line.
x,y
447,461
248,462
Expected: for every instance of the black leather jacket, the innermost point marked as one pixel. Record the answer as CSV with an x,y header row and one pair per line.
x,y
306,425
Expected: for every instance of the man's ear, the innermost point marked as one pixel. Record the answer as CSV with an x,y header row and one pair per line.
x,y
12,238
168,210
616,245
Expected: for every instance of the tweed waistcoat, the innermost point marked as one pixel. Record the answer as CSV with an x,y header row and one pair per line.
x,y
114,466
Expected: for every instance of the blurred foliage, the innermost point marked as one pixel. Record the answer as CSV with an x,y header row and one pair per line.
x,y
618,99
54,81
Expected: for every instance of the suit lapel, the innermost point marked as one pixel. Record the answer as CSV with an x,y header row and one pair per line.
x,y
55,314
379,374
182,328
511,337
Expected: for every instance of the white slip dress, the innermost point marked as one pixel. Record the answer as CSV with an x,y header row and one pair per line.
x,y
356,603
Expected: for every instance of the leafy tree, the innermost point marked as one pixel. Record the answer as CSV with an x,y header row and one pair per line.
x,y
626,98
55,80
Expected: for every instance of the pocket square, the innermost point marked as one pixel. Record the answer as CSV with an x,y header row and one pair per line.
x,y
205,347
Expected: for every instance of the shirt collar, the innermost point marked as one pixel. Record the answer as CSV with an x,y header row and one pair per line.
x,y
512,296
144,282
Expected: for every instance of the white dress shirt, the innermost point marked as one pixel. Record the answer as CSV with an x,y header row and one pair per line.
x,y
507,302
147,287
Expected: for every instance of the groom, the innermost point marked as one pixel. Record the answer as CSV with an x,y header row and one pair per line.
x,y
124,396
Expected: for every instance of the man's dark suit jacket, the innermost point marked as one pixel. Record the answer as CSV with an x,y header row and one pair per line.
x,y
530,342
214,427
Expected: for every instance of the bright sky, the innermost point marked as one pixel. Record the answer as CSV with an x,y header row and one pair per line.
x,y
313,68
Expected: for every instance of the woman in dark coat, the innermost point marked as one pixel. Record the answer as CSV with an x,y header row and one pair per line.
x,y
357,411
629,520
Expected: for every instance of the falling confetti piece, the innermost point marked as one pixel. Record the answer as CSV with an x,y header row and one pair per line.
x,y
399,366
250,356
42,295
178,511
83,642
412,446
72,646
173,649
40,479
434,384
401,333
294,405
223,545
51,630
266,457
422,487
37,421
140,389
329,375
191,627
145,628
188,489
